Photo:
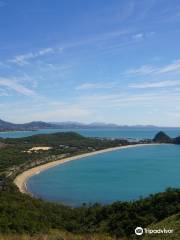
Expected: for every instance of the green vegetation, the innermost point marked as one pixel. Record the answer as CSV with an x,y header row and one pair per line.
x,y
23,214
22,217
162,137
14,158
172,222
57,235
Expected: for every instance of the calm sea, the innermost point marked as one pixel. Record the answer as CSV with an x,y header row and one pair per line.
x,y
120,175
125,174
135,133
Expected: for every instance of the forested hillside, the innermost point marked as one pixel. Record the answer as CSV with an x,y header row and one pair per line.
x,y
22,214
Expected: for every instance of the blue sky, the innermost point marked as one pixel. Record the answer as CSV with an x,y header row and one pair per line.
x,y
90,61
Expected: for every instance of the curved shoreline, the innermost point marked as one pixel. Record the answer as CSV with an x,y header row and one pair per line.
x,y
21,180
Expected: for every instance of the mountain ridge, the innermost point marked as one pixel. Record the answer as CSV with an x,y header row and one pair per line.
x,y
36,125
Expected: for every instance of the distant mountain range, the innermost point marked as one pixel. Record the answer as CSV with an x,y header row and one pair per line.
x,y
97,125
8,126
35,125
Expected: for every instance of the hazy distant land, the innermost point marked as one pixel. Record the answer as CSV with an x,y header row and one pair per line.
x,y
36,125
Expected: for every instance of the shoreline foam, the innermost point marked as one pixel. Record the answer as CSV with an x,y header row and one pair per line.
x,y
21,180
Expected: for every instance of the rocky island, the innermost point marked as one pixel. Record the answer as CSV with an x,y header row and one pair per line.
x,y
162,137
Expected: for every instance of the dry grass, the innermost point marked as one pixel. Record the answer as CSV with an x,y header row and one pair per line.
x,y
56,235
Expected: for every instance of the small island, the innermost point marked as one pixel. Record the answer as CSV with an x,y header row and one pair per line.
x,y
162,137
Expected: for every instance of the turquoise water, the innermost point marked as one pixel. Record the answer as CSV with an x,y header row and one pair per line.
x,y
135,133
125,174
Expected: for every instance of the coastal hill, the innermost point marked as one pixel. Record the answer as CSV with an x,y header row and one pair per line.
x,y
162,137
172,222
15,153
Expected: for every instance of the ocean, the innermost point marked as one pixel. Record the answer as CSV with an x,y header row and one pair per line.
x,y
121,175
135,133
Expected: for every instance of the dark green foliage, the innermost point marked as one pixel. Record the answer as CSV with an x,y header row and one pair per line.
x,y
14,154
65,138
20,213
10,157
177,140
162,137
23,214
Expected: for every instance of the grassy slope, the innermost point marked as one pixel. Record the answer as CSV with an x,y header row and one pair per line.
x,y
57,235
172,222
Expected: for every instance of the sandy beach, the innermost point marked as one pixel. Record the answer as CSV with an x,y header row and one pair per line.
x,y
22,179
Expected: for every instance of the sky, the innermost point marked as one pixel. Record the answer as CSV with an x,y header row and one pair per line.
x,y
90,61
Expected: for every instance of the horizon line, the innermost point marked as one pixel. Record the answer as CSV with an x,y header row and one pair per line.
x,y
91,123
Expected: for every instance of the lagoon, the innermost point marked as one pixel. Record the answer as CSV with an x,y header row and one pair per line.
x,y
121,175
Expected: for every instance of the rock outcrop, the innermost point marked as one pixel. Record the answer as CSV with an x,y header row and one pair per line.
x,y
162,137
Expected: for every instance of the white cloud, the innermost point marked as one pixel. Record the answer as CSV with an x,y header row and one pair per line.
x,y
64,113
24,58
45,110
143,70
148,69
90,108
86,86
175,66
17,87
4,93
108,102
45,51
160,84
138,36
